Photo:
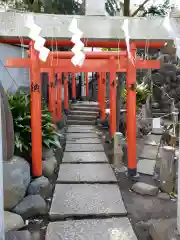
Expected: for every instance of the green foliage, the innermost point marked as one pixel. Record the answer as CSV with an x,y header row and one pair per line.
x,y
157,10
110,49
47,6
142,93
20,108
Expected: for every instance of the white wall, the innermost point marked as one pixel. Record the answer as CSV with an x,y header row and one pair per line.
x,y
12,78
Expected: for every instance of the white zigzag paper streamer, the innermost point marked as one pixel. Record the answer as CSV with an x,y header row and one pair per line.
x,y
79,56
125,28
39,41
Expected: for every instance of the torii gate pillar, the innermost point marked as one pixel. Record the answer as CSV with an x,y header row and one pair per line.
x,y
35,113
131,112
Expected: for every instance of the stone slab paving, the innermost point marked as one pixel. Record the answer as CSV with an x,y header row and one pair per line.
x,y
153,139
149,152
70,136
84,140
157,131
90,173
84,148
83,200
93,229
146,166
84,157
164,229
79,129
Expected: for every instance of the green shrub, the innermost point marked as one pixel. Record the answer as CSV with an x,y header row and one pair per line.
x,y
20,108
142,93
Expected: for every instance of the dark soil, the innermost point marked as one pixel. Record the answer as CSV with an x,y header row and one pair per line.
x,y
141,209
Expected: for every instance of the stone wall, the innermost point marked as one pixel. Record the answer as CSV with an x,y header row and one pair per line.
x,y
166,83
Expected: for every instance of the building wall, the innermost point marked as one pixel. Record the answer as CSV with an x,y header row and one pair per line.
x,y
12,78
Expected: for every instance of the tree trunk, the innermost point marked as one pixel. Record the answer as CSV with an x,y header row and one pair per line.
x,y
126,7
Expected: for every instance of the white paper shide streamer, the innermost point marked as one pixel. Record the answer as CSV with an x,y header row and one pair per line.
x,y
39,41
125,28
79,56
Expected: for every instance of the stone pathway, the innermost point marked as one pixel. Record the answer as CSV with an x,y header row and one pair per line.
x,y
87,203
147,159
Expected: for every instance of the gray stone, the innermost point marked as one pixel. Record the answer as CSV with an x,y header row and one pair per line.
x,y
85,157
49,167
12,221
7,126
16,178
36,234
62,140
40,186
153,139
70,136
167,169
146,166
31,206
149,152
164,230
158,131
18,235
84,140
81,129
163,196
86,200
47,153
145,189
86,173
84,148
59,155
92,229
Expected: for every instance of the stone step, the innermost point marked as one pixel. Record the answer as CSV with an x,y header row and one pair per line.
x,y
86,104
91,229
84,140
82,129
80,135
89,113
86,173
158,110
85,200
85,108
84,147
149,152
82,117
84,157
81,122
152,139
155,115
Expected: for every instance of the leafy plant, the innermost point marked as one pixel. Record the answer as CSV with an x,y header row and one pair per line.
x,y
142,92
20,108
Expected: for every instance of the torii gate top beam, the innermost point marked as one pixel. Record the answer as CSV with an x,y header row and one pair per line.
x,y
12,25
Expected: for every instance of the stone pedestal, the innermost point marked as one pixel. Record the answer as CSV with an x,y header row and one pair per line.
x,y
167,169
118,153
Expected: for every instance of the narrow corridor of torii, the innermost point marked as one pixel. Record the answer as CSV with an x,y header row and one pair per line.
x,y
100,62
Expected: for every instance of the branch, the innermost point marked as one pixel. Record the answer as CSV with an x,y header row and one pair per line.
x,y
139,8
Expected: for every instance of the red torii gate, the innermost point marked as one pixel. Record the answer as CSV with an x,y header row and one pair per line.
x,y
95,62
